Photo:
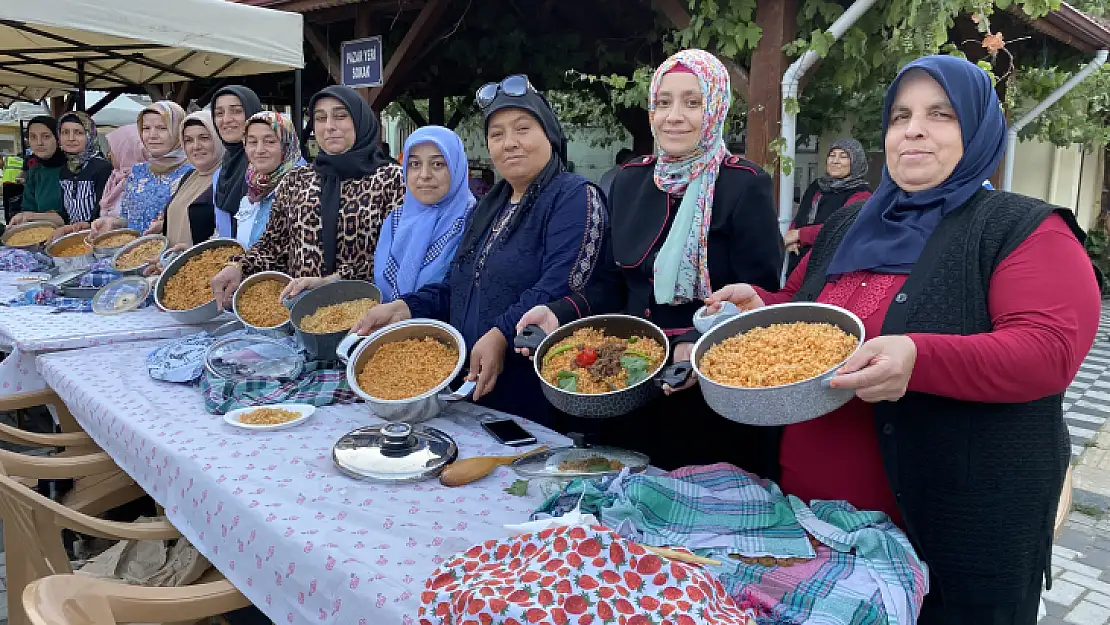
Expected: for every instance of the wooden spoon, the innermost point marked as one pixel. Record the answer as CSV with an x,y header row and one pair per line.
x,y
470,470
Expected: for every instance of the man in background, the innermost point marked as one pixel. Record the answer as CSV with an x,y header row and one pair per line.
x,y
606,183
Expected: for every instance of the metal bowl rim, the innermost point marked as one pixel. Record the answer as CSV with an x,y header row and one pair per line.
x,y
178,262
127,247
719,329
353,361
585,321
72,235
324,286
251,279
26,226
93,240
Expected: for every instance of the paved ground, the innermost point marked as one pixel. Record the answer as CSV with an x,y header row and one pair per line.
x,y
1080,593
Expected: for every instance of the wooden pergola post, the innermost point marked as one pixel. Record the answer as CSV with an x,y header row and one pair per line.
x,y
362,30
779,21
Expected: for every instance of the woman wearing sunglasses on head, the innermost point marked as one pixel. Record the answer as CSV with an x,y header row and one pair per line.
x,y
686,218
534,238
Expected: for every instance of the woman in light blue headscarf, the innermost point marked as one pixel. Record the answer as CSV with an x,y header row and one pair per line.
x,y
419,238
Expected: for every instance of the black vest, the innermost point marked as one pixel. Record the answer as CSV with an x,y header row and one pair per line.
x,y
977,484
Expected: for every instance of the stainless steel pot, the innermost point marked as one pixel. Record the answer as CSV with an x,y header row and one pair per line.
x,y
127,247
614,403
66,264
34,247
788,403
205,312
108,252
280,329
323,346
414,409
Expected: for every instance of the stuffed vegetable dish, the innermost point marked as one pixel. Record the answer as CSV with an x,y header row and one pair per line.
x,y
591,363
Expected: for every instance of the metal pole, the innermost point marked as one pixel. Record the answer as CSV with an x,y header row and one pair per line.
x,y
1012,134
80,85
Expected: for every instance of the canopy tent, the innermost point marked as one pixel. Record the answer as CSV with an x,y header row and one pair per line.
x,y
51,46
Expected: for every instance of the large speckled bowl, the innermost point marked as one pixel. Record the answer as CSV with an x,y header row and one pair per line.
x,y
776,405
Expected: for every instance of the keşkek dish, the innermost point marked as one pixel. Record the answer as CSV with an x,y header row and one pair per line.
x,y
408,368
260,304
589,362
140,255
268,416
190,286
69,249
30,236
337,317
116,240
782,353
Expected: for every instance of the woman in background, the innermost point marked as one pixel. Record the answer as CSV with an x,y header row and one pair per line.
x,y
85,175
42,193
125,148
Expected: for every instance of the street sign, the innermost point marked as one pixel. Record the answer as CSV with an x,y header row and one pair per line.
x,y
361,62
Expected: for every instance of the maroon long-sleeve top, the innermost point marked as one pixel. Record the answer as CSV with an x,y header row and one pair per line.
x,y
1044,325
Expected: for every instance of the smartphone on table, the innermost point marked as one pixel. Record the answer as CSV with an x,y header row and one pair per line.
x,y
507,431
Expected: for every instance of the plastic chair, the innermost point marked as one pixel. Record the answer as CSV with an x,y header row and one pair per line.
x,y
79,600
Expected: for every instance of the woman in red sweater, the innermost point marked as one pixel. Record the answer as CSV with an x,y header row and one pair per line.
x,y
981,305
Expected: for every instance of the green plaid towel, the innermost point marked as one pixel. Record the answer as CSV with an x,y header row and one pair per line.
x,y
320,384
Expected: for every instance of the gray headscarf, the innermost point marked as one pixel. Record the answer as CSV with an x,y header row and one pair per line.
x,y
855,177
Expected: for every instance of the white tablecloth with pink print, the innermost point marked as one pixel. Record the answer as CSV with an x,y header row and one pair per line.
x,y
27,331
303,542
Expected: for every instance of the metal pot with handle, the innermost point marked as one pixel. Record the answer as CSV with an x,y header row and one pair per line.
x,y
616,402
356,350
323,346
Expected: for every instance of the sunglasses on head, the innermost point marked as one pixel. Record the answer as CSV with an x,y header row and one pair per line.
x,y
515,86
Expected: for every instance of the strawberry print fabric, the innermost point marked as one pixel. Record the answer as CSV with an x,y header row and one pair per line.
x,y
578,575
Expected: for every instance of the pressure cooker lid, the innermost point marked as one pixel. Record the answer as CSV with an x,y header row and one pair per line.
x,y
394,452
253,356
120,296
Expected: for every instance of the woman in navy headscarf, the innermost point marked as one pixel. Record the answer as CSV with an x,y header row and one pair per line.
x,y
957,429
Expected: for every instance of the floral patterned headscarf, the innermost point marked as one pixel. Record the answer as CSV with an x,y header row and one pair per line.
x,y
681,267
259,185
77,161
174,116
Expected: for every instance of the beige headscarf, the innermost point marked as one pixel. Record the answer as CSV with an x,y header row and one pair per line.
x,y
193,185
174,116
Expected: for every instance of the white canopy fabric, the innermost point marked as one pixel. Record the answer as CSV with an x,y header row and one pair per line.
x,y
127,43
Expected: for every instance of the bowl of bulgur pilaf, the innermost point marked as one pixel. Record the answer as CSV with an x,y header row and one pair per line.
x,y
257,302
274,417
771,366
402,369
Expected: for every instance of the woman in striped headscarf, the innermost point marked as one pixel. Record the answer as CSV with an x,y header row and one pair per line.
x,y
150,184
85,173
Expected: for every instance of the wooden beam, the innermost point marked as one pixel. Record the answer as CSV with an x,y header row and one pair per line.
x,y
154,91
676,13
401,60
778,20
328,57
362,30
437,111
181,93
410,109
462,111
107,99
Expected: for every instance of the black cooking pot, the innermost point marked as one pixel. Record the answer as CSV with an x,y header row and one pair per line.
x,y
322,346
614,403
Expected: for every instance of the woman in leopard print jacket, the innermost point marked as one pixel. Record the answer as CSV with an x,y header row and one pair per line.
x,y
326,216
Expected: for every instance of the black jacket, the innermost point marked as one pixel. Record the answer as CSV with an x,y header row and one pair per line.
x,y
744,244
977,484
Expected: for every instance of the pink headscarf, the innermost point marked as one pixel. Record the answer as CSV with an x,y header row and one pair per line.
x,y
127,149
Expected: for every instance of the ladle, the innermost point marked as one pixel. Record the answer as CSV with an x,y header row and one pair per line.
x,y
468,470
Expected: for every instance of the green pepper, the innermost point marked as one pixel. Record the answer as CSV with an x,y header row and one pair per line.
x,y
555,352
632,352
633,339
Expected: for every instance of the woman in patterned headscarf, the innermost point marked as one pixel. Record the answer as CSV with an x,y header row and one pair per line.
x,y
272,151
85,173
150,184
687,218
842,184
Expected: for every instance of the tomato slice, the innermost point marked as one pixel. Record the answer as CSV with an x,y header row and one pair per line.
x,y
586,357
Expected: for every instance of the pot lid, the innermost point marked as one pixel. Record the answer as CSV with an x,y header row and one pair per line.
x,y
253,356
394,452
120,296
571,462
